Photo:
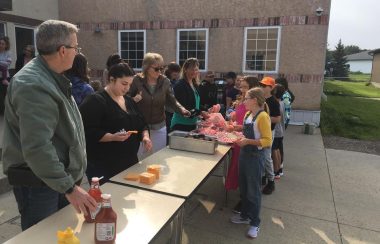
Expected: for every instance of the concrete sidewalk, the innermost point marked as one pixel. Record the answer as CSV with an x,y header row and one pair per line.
x,y
325,196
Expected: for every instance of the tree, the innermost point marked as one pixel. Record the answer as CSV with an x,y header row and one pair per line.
x,y
339,62
328,62
352,49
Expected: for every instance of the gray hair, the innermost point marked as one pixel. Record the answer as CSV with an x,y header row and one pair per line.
x,y
52,34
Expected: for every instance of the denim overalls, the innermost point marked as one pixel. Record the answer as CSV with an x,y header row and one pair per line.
x,y
250,170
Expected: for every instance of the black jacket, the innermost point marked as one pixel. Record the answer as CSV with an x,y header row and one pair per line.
x,y
208,93
185,94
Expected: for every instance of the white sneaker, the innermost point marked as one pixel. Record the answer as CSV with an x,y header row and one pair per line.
x,y
253,231
237,219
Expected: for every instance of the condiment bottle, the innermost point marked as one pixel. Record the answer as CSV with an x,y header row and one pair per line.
x,y
96,193
105,223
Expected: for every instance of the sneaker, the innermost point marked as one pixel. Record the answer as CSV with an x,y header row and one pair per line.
x,y
269,188
237,219
253,231
263,181
280,172
237,208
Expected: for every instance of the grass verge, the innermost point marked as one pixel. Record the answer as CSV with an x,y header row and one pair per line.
x,y
351,117
354,89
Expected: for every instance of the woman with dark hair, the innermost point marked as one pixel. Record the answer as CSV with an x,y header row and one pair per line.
x,y
5,63
114,126
78,75
111,60
25,57
186,92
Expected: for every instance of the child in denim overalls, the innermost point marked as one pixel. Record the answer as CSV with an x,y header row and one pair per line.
x,y
257,134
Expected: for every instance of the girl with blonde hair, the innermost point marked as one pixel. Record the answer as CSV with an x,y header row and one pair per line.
x,y
257,135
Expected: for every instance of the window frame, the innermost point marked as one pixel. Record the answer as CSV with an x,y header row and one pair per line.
x,y
119,42
277,48
206,46
5,27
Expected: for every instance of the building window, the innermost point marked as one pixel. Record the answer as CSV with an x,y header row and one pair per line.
x,y
192,43
2,29
261,49
132,46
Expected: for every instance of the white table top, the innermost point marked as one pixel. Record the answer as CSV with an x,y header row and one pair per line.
x,y
181,173
140,216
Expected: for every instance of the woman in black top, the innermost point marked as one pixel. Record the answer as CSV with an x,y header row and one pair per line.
x,y
111,120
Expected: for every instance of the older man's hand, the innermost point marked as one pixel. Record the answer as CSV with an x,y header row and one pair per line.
x,y
80,199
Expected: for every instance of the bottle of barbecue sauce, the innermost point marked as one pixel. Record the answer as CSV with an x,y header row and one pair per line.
x,y
96,193
105,222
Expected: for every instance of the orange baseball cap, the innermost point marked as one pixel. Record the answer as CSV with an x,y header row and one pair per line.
x,y
268,81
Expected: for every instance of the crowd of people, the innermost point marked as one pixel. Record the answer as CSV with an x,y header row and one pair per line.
x,y
60,127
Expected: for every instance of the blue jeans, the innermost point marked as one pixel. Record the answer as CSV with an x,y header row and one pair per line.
x,y
268,164
37,203
250,169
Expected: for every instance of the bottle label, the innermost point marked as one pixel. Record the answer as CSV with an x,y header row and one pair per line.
x,y
105,231
94,213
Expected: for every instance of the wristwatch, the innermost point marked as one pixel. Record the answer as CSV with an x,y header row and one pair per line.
x,y
70,190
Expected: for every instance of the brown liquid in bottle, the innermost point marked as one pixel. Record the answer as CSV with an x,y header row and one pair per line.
x,y
105,223
96,193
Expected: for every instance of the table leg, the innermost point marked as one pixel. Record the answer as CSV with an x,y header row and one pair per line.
x,y
178,226
226,167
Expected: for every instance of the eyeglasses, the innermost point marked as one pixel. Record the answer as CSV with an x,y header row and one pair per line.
x,y
77,49
158,69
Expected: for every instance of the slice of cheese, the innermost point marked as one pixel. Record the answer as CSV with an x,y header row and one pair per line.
x,y
147,178
154,169
132,176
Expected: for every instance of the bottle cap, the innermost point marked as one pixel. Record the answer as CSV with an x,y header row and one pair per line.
x,y
106,196
95,179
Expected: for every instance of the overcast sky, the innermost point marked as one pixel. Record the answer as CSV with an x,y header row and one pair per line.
x,y
356,22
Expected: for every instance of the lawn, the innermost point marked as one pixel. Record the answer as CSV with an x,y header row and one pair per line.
x,y
360,77
349,112
351,117
356,89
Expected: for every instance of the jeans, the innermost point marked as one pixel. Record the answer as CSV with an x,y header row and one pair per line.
x,y
250,168
37,203
158,138
268,164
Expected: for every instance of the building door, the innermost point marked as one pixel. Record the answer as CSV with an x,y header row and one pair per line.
x,y
24,36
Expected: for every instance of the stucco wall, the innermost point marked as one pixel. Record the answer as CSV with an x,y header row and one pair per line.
x,y
35,9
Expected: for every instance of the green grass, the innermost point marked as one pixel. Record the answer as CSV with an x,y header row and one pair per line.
x,y
359,77
351,117
355,89
349,110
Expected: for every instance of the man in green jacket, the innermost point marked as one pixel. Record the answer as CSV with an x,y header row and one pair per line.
x,y
44,146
